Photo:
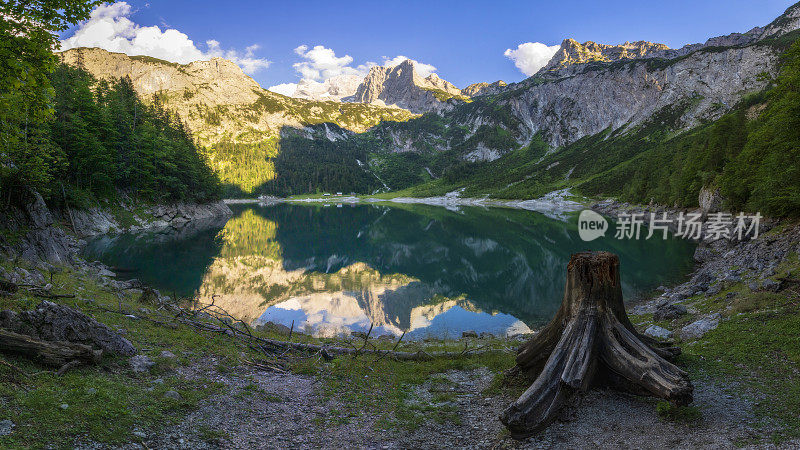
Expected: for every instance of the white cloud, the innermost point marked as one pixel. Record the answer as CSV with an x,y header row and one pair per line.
x,y
531,56
322,70
248,62
322,63
422,69
109,27
284,89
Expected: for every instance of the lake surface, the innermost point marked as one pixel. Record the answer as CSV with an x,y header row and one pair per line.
x,y
424,270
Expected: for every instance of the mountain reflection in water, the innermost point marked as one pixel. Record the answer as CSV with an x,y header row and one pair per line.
x,y
418,269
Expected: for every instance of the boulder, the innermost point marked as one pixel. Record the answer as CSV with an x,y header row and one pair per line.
x,y
141,363
771,285
53,322
669,312
658,332
697,329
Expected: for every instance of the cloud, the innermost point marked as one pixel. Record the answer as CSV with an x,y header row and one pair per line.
x,y
531,56
248,62
422,69
322,63
284,89
109,27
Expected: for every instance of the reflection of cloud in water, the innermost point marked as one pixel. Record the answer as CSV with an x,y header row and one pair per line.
x,y
333,314
456,320
427,271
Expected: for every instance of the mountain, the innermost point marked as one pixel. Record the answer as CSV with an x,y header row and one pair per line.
x,y
509,141
398,86
402,87
239,123
219,101
338,88
529,138
571,52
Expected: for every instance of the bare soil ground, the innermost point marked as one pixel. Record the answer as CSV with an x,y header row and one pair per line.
x,y
285,410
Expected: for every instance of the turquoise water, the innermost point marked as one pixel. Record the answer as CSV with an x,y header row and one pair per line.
x,y
424,270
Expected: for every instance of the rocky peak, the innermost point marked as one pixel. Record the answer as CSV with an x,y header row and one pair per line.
x,y
338,88
484,88
401,86
572,52
434,82
785,23
151,75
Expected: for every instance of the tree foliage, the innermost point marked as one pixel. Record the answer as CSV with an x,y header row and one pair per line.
x,y
27,39
113,141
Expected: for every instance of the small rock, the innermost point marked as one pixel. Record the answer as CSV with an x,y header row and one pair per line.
x,y
771,285
6,427
141,363
697,329
173,395
486,335
714,290
469,334
64,406
167,354
140,434
91,391
669,312
658,332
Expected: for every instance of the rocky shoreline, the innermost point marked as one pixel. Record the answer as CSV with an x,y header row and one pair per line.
x,y
40,236
719,264
101,220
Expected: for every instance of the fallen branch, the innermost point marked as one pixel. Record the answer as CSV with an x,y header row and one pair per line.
x,y
51,353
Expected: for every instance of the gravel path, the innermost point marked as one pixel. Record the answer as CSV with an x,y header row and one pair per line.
x,y
270,410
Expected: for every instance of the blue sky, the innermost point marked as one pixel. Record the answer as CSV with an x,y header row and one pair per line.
x,y
464,40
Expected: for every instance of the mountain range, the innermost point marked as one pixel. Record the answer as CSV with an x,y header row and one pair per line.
x,y
395,129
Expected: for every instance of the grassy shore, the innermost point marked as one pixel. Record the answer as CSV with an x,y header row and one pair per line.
x,y
109,403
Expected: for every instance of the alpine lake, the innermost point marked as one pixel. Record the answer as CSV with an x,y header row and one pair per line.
x,y
428,271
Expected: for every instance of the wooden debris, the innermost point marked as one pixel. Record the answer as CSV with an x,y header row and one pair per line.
x,y
51,353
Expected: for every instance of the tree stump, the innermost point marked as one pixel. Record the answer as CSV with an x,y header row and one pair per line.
x,y
590,342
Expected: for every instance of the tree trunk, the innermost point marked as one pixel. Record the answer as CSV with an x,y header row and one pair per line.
x,y
51,353
591,341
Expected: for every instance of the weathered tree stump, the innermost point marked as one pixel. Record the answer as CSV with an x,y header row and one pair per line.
x,y
590,342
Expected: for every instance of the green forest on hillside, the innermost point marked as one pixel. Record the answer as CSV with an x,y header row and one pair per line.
x,y
751,154
66,135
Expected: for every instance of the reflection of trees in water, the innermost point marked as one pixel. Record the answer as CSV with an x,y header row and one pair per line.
x,y
510,261
172,259
249,234
390,260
